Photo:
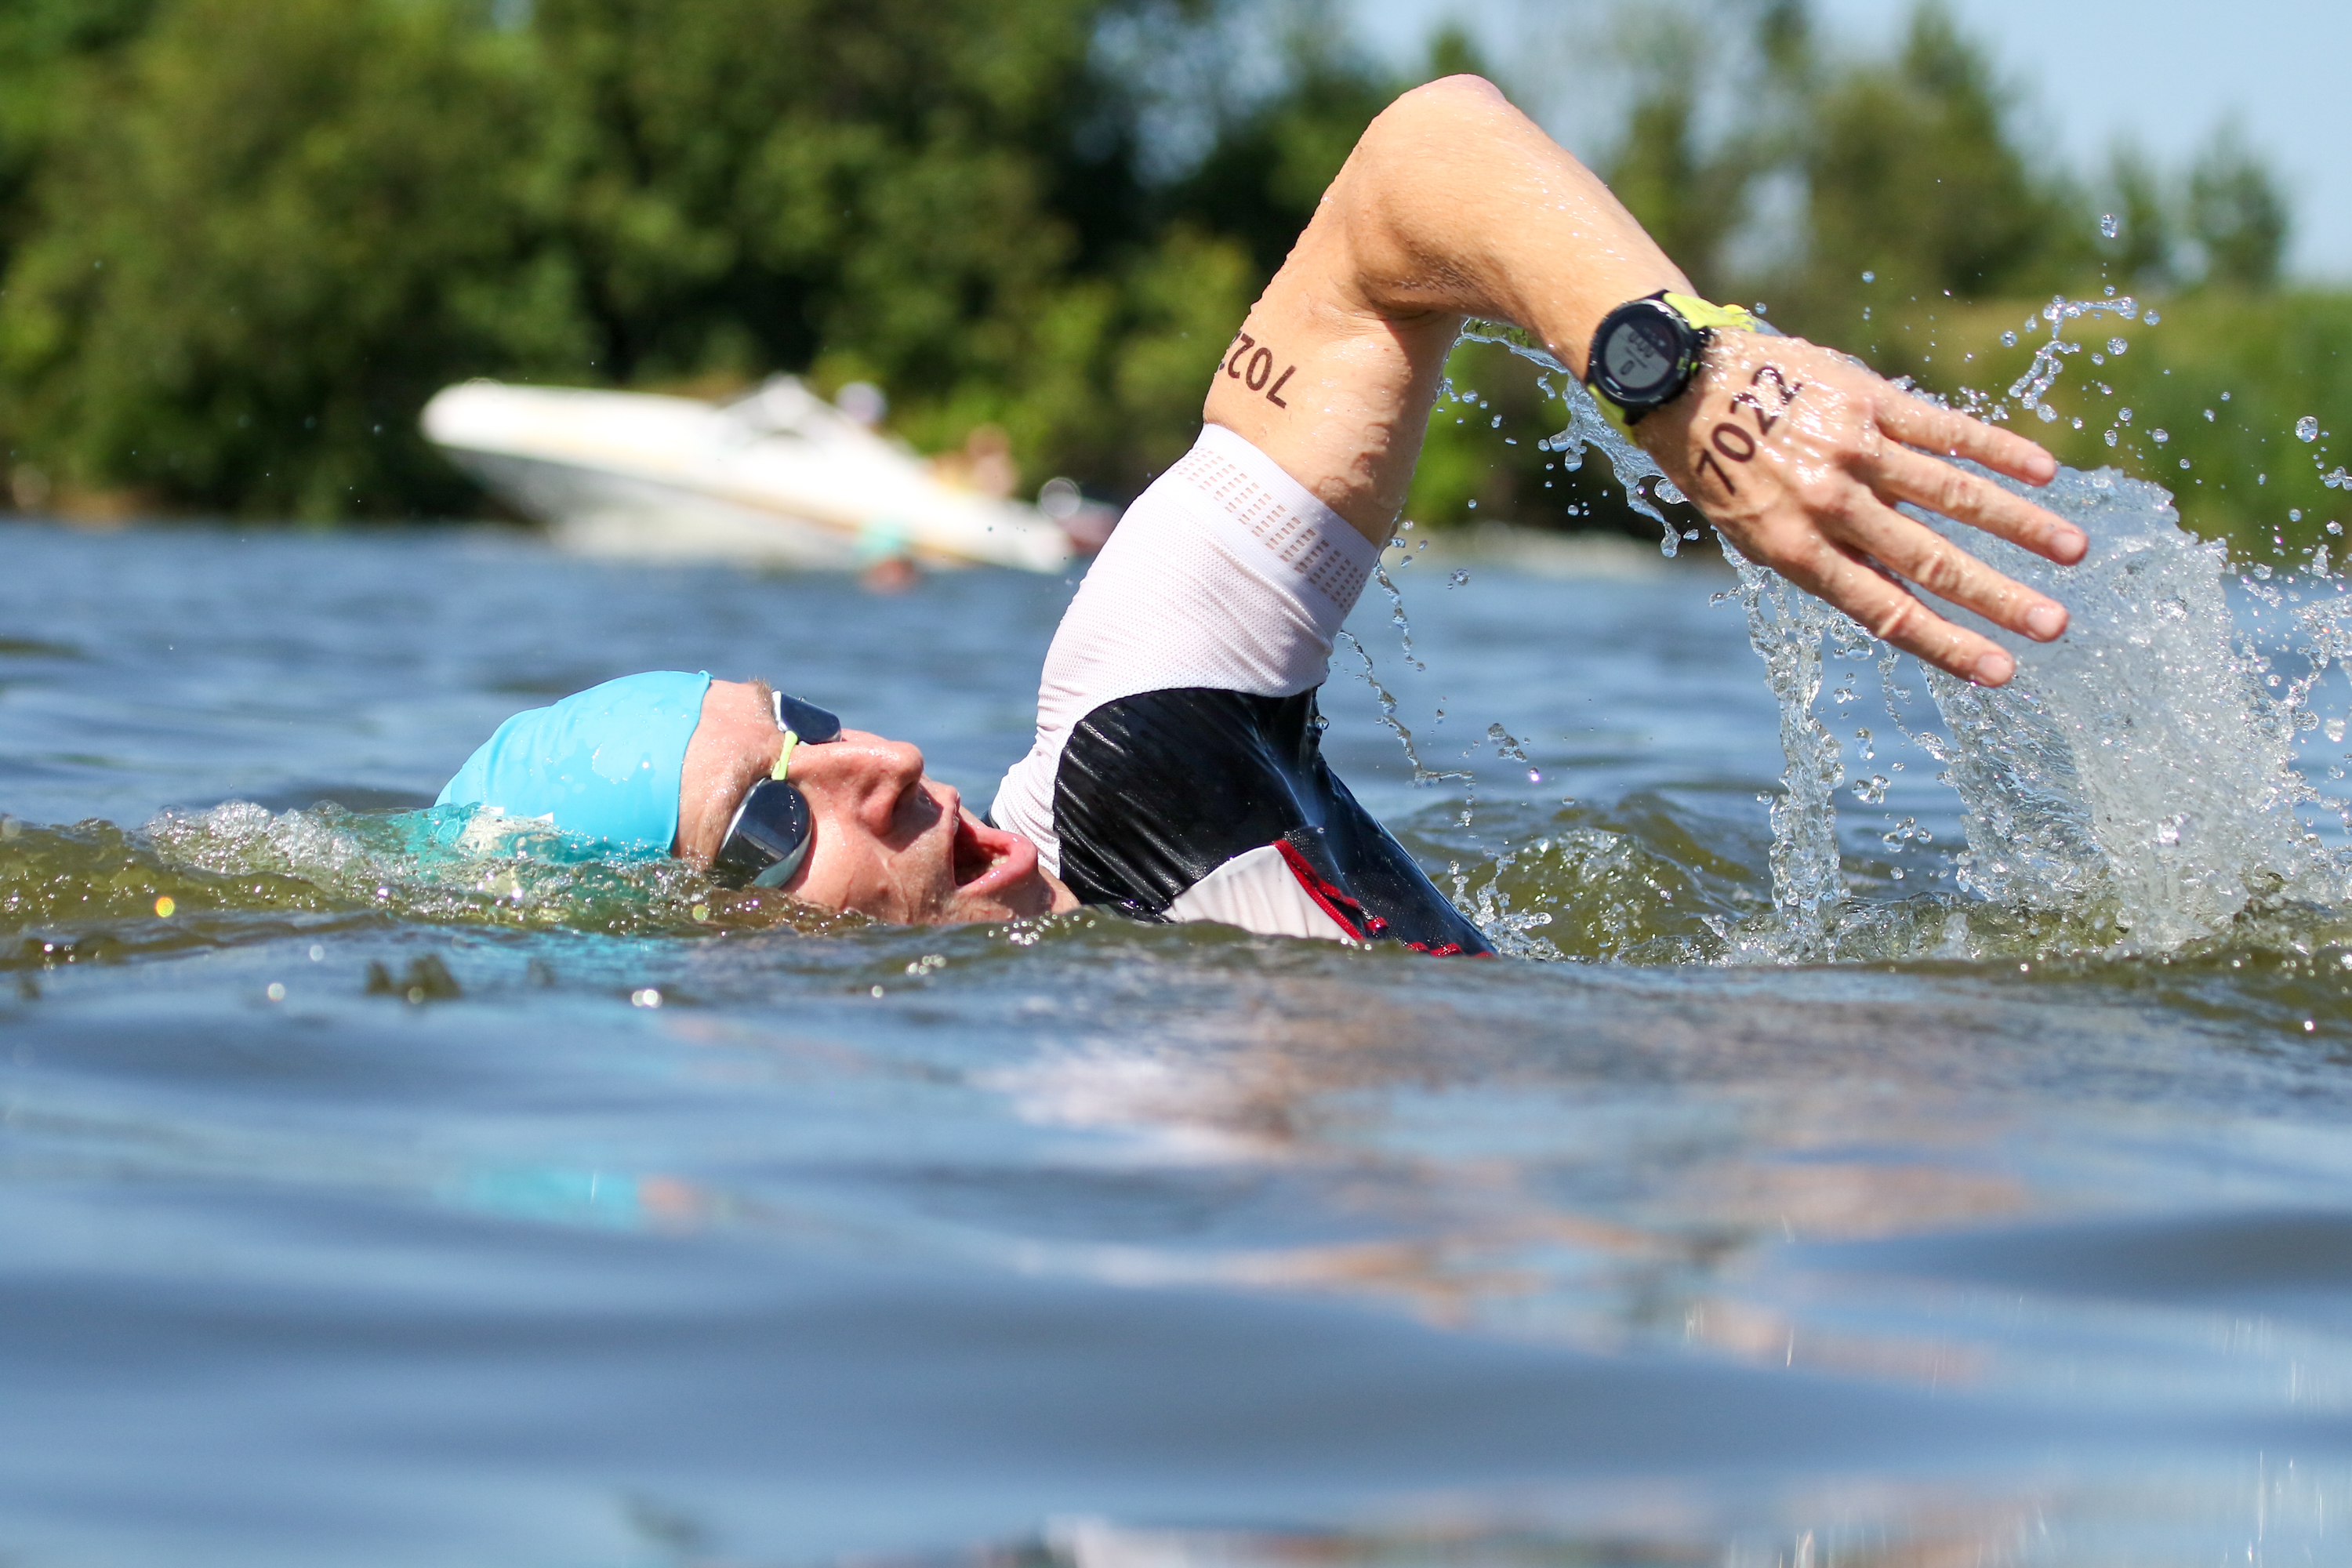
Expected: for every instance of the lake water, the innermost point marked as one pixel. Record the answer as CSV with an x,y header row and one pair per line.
x,y
351,1216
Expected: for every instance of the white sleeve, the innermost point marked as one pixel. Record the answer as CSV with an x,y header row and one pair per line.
x,y
1226,573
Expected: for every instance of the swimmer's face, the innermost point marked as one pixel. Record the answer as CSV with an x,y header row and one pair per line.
x,y
888,841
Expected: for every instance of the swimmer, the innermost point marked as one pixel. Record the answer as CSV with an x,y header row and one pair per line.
x,y
1176,773
762,789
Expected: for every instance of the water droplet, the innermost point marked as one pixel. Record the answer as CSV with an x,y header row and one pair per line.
x,y
2335,527
2123,414
2152,318
647,997
317,953
2111,435
2307,427
277,992
2208,416
2117,345
1535,776
1457,579
2078,422
2295,514
1870,277
2008,340
2110,225
2049,415
165,905
2161,435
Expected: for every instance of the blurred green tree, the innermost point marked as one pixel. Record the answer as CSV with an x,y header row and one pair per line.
x,y
244,240
2237,213
267,233
1271,162
2142,253
1914,171
943,195
1690,189
45,46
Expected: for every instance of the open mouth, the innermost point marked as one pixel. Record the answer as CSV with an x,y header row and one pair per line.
x,y
988,860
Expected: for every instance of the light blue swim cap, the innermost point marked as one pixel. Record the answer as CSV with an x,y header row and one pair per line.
x,y
605,764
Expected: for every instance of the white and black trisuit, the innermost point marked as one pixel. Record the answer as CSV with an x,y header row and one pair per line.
x,y
1178,771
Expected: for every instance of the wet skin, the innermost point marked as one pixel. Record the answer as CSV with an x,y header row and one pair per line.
x,y
1455,204
888,842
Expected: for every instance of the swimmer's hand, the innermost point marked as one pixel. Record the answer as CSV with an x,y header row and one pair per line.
x,y
1798,454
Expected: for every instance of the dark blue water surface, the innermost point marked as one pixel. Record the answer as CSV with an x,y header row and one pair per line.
x,y
339,1225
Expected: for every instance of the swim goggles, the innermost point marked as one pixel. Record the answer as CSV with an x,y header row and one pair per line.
x,y
769,837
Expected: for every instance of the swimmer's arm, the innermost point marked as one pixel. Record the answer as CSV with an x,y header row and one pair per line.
x,y
1455,204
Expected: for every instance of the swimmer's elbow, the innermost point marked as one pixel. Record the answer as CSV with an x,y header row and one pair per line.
x,y
1468,87
1438,125
1447,106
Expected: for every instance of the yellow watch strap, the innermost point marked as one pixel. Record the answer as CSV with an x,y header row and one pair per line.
x,y
1699,313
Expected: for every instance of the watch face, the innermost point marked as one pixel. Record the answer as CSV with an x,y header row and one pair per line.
x,y
1641,355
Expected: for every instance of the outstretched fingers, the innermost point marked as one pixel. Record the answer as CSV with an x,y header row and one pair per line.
x,y
1901,474
1920,554
1915,422
1892,613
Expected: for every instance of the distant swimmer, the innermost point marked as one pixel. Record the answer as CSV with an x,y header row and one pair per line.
x,y
1177,772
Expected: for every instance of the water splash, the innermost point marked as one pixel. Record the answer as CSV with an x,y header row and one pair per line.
x,y
1588,427
1787,628
1396,615
2132,790
1394,725
446,864
2032,389
2139,760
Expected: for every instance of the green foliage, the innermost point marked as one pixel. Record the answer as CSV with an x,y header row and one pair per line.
x,y
244,240
44,47
1915,173
2142,253
1693,194
258,233
1262,181
750,180
267,233
2237,214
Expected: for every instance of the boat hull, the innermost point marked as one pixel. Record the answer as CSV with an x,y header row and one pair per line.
x,y
779,481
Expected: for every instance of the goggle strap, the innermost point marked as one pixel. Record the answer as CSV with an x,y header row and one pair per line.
x,y
785,757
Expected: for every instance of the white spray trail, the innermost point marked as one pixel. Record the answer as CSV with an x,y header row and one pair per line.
x,y
2136,776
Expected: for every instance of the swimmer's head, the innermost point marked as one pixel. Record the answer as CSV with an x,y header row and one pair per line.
x,y
664,760
602,765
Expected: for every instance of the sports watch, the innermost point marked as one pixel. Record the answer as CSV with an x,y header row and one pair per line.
x,y
1646,350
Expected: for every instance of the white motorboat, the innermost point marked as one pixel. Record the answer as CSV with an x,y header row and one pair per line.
x,y
777,478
